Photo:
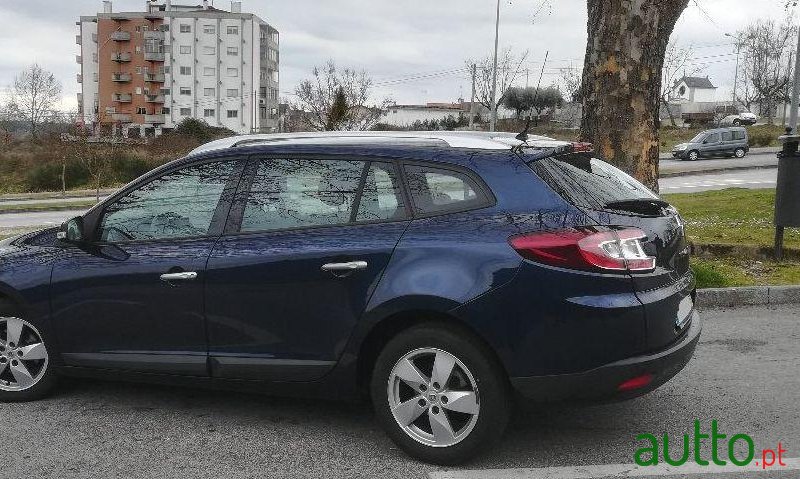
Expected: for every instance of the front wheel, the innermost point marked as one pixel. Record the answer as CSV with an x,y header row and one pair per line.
x,y
25,365
737,123
693,155
739,153
440,394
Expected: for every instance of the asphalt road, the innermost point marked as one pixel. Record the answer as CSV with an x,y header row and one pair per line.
x,y
754,179
757,158
744,374
41,218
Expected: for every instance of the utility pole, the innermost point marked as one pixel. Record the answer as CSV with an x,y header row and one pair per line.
x,y
472,98
527,76
795,88
493,121
736,74
788,75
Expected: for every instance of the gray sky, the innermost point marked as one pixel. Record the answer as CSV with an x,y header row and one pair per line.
x,y
396,41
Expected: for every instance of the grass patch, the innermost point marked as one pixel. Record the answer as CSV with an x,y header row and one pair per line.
x,y
36,207
733,216
728,272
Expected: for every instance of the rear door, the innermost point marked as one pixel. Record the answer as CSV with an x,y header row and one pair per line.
x,y
305,247
613,198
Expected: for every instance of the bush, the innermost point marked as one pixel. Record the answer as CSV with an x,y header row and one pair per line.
x,y
47,176
707,276
761,138
126,168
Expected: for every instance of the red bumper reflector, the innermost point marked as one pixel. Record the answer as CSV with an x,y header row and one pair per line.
x,y
636,383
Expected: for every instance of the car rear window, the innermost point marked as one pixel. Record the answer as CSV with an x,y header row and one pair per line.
x,y
589,182
739,134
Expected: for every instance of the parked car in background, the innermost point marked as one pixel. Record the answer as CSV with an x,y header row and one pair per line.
x,y
728,142
741,119
440,274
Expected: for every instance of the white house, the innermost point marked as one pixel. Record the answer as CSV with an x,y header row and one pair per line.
x,y
694,90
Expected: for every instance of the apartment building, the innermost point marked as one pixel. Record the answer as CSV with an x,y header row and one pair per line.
x,y
144,72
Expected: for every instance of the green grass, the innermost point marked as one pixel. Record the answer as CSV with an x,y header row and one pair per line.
x,y
733,216
36,207
727,272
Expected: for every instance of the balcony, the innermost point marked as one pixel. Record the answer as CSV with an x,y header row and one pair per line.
x,y
154,35
121,57
154,56
155,119
119,36
80,78
78,39
121,77
78,59
122,97
121,117
154,77
154,98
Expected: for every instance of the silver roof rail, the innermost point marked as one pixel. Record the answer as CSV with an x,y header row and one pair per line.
x,y
453,139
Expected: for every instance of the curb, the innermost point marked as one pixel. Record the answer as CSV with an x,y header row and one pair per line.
x,y
747,296
712,171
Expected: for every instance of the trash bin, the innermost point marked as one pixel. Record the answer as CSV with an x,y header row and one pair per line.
x,y
787,192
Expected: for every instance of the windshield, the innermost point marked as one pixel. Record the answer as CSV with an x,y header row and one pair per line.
x,y
698,139
588,182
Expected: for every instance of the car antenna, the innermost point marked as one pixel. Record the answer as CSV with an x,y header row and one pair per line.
x,y
523,135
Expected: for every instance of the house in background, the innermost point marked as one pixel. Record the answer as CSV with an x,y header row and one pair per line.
x,y
694,90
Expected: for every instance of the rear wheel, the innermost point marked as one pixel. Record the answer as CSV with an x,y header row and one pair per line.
x,y
739,153
439,395
25,367
737,122
693,155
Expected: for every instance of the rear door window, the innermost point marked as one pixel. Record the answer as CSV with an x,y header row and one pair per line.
x,y
727,136
588,182
438,190
738,134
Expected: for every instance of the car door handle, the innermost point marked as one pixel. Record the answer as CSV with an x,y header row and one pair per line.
x,y
186,276
344,267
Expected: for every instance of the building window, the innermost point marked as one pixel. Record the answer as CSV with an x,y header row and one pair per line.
x,y
233,51
233,72
138,49
274,75
233,30
138,90
165,27
165,111
166,91
274,37
233,93
273,93
233,113
209,92
209,51
94,76
141,111
209,113
186,70
186,28
210,29
273,54
186,90
166,69
186,49
94,57
262,92
263,112
209,71
186,111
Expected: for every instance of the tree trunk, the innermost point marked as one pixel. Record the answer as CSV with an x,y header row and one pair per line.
x,y
622,81
669,112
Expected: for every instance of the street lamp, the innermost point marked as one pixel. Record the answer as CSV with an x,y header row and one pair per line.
x,y
736,75
493,119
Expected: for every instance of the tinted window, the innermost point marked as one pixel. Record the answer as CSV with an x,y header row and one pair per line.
x,y
738,134
435,190
727,136
294,193
588,182
177,205
382,198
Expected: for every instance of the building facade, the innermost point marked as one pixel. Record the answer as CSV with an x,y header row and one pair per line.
x,y
145,72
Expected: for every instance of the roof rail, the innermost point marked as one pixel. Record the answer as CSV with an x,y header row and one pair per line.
x,y
453,139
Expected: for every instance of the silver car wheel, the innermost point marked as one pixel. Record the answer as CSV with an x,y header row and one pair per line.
x,y
433,397
23,355
739,153
693,156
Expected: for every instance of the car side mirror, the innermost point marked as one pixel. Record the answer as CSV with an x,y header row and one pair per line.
x,y
71,231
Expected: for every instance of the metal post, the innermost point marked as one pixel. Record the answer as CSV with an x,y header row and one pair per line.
x,y
795,88
472,99
493,121
791,58
736,75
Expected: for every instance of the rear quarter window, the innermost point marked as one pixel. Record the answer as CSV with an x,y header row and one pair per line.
x,y
589,182
437,190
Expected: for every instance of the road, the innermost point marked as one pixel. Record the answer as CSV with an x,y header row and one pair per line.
x,y
744,375
758,158
752,179
41,218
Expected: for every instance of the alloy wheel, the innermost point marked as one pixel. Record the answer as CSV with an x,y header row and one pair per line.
x,y
693,156
433,397
739,153
23,355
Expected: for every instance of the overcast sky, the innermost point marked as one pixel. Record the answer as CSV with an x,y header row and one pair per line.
x,y
397,41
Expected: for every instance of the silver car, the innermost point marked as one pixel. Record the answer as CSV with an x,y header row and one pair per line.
x,y
718,142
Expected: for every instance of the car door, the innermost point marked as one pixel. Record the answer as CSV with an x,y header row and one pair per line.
x,y
306,246
727,145
132,298
711,145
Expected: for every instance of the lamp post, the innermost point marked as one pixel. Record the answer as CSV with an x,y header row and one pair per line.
x,y
736,74
493,119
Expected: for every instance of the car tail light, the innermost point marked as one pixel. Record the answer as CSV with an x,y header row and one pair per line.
x,y
582,147
636,383
586,249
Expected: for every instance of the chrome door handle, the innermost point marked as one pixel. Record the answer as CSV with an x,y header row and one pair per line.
x,y
187,276
344,267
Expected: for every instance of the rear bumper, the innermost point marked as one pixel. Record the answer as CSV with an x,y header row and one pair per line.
x,y
600,384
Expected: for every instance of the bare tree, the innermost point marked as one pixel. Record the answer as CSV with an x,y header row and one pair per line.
x,y
317,97
509,68
622,80
676,62
35,94
571,79
766,47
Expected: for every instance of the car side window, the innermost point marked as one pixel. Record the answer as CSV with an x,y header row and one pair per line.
x,y
180,204
727,136
382,197
712,138
434,190
738,134
296,193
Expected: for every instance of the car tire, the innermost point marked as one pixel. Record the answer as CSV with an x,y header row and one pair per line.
x,y
26,366
737,122
693,155
420,415
739,153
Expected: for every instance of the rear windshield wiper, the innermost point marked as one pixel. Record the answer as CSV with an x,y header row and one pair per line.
x,y
646,206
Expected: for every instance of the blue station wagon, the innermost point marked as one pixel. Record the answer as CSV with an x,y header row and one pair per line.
x,y
438,275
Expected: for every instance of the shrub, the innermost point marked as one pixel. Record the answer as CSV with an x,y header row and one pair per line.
x,y
761,138
47,176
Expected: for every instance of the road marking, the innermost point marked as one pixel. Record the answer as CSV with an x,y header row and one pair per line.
x,y
610,471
